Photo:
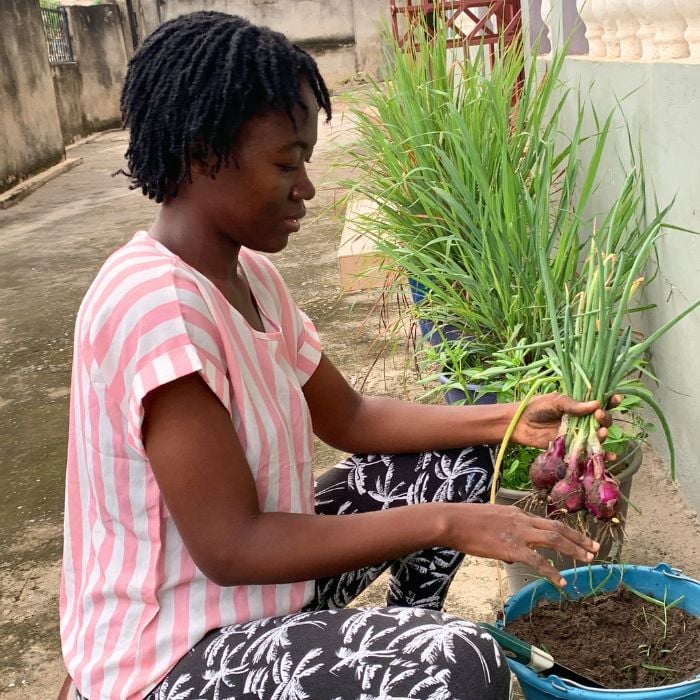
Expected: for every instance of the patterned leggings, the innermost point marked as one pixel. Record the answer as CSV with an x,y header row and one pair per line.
x,y
327,651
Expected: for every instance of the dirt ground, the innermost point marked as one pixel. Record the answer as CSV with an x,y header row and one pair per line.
x,y
51,246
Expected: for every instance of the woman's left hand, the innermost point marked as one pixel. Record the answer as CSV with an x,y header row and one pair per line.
x,y
540,421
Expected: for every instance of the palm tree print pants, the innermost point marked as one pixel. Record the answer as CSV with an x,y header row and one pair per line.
x,y
327,651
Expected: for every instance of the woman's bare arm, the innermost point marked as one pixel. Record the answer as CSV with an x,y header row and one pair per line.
x,y
360,424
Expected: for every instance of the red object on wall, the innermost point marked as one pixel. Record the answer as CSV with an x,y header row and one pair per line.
x,y
495,21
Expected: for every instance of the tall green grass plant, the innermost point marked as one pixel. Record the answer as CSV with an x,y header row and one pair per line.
x,y
474,179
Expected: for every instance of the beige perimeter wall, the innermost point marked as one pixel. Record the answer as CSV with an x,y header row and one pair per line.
x,y
343,35
45,107
87,91
30,133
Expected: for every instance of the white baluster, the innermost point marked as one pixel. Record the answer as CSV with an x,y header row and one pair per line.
x,y
546,14
670,28
627,26
690,9
612,45
646,31
594,29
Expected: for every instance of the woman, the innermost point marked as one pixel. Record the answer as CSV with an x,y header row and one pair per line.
x,y
197,563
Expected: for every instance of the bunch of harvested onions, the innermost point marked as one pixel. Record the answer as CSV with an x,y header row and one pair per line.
x,y
593,356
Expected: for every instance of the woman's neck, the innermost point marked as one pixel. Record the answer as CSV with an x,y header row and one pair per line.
x,y
196,241
209,251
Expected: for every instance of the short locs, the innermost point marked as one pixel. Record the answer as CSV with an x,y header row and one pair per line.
x,y
194,82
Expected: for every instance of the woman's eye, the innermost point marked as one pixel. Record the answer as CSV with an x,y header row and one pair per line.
x,y
286,168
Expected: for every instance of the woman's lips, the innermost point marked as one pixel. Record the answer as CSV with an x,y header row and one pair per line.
x,y
292,223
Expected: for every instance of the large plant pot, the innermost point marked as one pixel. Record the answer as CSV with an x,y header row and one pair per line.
x,y
520,575
661,583
432,333
471,396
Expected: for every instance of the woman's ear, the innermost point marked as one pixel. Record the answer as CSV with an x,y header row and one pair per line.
x,y
200,164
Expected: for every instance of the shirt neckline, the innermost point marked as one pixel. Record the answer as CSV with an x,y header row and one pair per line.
x,y
272,329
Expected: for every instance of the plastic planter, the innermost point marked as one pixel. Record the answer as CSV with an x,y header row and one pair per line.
x,y
459,396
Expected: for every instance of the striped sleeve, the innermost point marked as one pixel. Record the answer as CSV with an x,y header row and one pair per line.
x,y
308,347
159,331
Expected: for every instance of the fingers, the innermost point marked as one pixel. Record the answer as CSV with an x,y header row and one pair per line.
x,y
615,401
584,408
603,417
578,408
544,568
565,404
555,535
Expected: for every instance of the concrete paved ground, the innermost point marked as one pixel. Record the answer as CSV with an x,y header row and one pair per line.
x,y
51,245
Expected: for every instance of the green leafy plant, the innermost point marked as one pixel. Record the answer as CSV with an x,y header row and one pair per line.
x,y
516,475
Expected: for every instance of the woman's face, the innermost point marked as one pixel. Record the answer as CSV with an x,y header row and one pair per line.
x,y
258,199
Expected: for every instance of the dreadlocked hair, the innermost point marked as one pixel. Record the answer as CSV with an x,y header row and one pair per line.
x,y
194,82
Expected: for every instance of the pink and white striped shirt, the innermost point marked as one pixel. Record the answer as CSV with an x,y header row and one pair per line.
x,y
132,600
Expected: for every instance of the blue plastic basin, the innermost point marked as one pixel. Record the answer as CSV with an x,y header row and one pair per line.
x,y
657,583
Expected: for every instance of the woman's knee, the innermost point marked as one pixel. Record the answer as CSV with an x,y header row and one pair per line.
x,y
447,654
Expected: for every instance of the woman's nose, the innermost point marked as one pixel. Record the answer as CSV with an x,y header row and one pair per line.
x,y
303,188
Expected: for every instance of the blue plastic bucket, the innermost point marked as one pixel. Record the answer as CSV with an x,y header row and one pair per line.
x,y
657,583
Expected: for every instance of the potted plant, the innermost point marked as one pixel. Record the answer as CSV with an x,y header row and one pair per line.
x,y
447,155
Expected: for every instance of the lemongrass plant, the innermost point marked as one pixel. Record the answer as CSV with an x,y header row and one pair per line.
x,y
467,162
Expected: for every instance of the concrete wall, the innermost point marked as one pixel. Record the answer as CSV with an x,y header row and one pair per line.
x,y
343,35
149,15
369,17
660,102
139,18
30,133
126,7
87,91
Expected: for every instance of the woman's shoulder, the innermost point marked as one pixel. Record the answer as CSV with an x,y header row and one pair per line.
x,y
137,279
141,254
141,263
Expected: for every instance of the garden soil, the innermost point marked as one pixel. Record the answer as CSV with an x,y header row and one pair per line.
x,y
617,639
51,246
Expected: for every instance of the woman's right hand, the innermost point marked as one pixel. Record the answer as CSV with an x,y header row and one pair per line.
x,y
512,535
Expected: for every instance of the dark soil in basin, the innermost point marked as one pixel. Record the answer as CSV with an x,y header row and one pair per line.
x,y
618,639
